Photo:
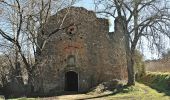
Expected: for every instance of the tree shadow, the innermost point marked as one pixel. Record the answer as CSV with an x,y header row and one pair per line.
x,y
99,96
113,92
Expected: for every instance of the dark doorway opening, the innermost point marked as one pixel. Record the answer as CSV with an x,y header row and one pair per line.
x,y
71,81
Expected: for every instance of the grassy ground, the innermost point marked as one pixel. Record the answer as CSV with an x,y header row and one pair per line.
x,y
157,80
138,92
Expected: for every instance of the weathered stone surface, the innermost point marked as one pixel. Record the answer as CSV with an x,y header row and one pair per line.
x,y
112,86
89,50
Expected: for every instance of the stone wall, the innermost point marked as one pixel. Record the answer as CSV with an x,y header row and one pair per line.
x,y
85,46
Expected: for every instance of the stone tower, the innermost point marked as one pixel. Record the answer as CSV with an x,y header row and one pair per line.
x,y
81,55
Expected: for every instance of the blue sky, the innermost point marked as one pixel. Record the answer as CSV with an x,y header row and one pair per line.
x,y
88,4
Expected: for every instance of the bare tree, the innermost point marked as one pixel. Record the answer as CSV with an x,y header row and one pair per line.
x,y
148,19
25,20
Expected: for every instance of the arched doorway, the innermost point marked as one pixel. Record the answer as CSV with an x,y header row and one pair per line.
x,y
71,81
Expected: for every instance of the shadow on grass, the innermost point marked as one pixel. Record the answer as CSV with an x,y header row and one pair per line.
x,y
55,94
119,90
156,87
38,95
97,96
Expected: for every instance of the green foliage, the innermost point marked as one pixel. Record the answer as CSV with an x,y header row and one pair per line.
x,y
139,64
138,92
158,81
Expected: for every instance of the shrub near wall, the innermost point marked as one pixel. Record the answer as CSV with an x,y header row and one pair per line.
x,y
157,80
139,65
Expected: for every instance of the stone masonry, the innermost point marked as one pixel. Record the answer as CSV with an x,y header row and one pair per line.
x,y
81,55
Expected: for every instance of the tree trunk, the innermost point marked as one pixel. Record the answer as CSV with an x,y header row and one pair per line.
x,y
18,73
30,86
129,52
129,57
130,68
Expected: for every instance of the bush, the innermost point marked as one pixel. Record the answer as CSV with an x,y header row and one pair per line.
x,y
139,65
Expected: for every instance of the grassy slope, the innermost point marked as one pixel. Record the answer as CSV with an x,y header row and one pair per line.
x,y
138,92
157,80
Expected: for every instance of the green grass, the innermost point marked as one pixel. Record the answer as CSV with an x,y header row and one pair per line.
x,y
138,92
157,80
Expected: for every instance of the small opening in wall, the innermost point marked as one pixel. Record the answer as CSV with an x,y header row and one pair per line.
x,y
70,33
70,39
65,60
81,37
71,81
72,29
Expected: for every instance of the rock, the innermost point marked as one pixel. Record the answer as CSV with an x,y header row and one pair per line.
x,y
112,85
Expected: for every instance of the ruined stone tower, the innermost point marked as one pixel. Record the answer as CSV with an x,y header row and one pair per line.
x,y
81,55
